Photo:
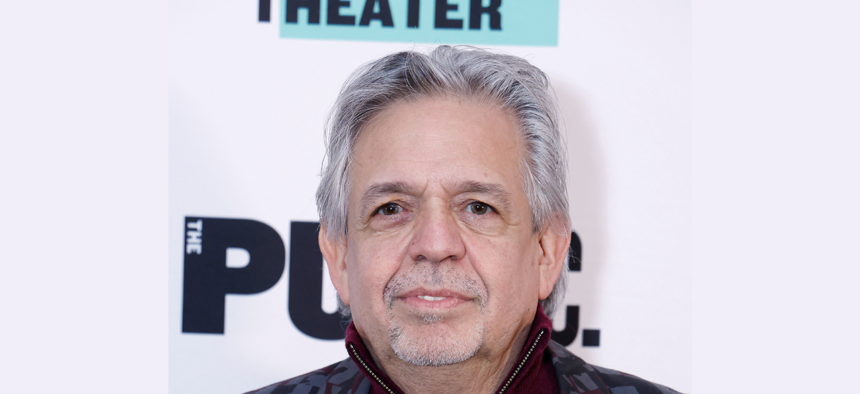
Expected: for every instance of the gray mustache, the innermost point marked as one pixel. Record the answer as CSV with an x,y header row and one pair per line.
x,y
434,277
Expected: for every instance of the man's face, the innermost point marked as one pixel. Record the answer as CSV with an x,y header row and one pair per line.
x,y
440,262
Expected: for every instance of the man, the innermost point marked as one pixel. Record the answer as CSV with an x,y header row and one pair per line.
x,y
444,224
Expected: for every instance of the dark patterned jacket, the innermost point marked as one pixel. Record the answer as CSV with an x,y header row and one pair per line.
x,y
573,374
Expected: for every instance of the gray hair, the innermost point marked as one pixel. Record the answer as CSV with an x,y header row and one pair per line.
x,y
510,81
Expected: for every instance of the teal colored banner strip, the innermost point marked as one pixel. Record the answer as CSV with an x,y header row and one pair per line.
x,y
518,22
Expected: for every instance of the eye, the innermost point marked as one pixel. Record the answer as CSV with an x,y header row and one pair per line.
x,y
389,209
478,208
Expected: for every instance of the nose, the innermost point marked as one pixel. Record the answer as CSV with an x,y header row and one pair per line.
x,y
436,237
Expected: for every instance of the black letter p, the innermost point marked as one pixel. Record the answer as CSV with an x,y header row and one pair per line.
x,y
208,279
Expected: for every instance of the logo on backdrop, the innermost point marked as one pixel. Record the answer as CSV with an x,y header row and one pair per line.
x,y
209,277
508,22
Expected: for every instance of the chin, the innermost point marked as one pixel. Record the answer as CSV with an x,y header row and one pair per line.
x,y
435,343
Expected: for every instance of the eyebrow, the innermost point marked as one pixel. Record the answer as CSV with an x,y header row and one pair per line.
x,y
502,199
378,190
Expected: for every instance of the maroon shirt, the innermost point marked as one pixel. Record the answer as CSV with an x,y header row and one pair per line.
x,y
532,373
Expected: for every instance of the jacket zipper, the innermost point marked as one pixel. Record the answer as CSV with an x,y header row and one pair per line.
x,y
523,362
366,368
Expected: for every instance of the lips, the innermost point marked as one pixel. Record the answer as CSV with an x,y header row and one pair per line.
x,y
433,299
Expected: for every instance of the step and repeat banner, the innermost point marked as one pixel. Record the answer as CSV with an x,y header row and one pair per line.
x,y
251,83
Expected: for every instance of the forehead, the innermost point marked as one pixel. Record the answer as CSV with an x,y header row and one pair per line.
x,y
440,138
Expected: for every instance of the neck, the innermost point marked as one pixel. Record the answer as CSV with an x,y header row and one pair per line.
x,y
483,373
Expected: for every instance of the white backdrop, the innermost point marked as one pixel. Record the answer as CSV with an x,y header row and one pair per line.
x,y
246,110
84,166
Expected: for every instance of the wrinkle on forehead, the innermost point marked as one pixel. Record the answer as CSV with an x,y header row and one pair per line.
x,y
478,106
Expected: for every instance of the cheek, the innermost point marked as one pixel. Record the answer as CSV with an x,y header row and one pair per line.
x,y
509,271
370,267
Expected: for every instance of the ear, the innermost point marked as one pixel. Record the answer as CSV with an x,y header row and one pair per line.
x,y
334,253
554,246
